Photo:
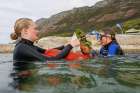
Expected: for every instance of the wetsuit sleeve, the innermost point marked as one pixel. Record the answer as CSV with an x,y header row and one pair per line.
x,y
113,50
62,54
33,54
41,50
59,48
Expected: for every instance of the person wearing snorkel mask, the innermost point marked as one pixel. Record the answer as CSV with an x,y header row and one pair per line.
x,y
109,44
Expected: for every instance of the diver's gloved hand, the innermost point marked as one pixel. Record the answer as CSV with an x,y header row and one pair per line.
x,y
94,53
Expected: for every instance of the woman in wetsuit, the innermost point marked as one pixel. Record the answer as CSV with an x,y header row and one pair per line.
x,y
25,30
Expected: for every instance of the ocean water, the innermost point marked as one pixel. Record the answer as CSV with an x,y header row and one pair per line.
x,y
99,75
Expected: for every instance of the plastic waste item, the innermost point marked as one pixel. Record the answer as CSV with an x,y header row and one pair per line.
x,y
74,37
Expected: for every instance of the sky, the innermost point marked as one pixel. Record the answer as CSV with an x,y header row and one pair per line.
x,y
11,10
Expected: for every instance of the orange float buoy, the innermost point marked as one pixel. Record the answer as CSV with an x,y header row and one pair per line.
x,y
72,56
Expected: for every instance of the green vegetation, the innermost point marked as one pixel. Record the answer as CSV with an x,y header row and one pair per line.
x,y
82,37
135,23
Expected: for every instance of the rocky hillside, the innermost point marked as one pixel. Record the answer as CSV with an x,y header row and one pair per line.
x,y
105,13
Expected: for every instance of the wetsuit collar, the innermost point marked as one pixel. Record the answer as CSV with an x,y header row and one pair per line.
x,y
26,41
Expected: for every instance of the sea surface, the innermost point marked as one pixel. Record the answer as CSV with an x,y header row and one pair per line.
x,y
119,74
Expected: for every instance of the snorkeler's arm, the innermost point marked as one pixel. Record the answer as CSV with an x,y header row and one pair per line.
x,y
60,47
34,54
94,53
62,54
39,49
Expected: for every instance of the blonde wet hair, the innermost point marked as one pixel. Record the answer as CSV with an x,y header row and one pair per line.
x,y
20,24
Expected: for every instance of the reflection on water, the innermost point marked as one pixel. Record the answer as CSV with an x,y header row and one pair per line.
x,y
99,75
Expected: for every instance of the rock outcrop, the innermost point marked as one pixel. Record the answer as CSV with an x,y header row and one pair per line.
x,y
6,48
103,14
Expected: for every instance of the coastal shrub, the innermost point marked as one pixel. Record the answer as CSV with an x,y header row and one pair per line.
x,y
135,23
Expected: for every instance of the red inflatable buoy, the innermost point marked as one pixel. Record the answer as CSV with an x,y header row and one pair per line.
x,y
72,56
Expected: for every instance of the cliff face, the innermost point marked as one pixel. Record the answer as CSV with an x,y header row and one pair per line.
x,y
103,14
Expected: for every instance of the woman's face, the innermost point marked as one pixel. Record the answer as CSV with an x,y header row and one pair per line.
x,y
32,32
105,40
85,49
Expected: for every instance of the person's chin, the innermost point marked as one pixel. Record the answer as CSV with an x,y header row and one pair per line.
x,y
103,44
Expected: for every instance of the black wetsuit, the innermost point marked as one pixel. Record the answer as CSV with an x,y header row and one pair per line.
x,y
26,51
